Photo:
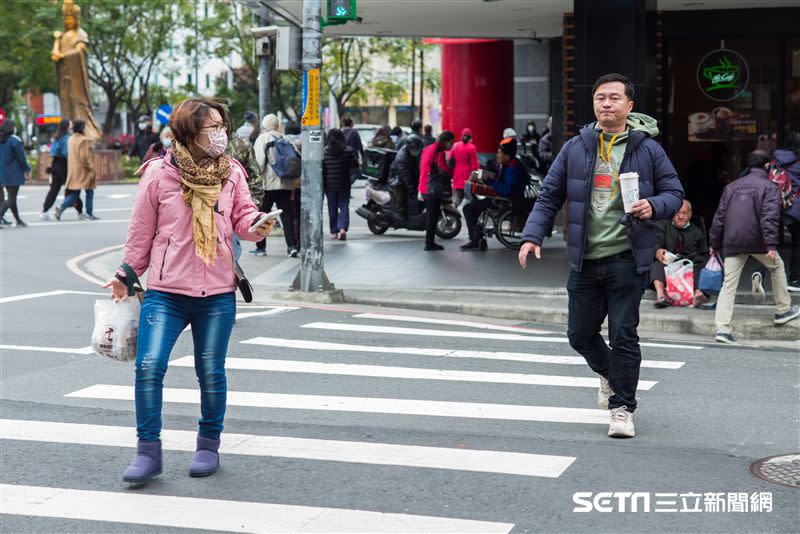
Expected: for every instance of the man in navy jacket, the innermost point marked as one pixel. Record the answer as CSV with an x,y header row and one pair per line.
x,y
610,251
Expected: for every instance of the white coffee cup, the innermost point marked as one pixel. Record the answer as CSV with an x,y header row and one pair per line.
x,y
629,185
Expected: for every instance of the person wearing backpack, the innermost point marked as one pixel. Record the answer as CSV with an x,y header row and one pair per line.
x,y
279,164
788,159
745,225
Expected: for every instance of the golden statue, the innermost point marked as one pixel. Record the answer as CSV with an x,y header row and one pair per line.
x,y
70,54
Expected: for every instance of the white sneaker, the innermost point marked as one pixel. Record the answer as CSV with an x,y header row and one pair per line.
x,y
604,393
44,216
81,217
621,423
758,287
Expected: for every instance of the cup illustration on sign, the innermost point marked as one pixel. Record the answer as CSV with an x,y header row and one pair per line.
x,y
724,75
629,183
723,118
700,123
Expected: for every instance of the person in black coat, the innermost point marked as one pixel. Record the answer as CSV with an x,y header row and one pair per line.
x,y
144,138
404,175
337,164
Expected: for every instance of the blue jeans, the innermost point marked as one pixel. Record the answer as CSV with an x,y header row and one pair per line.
x,y
75,195
162,319
339,210
608,286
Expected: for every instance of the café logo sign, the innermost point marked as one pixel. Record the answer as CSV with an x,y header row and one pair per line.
x,y
722,75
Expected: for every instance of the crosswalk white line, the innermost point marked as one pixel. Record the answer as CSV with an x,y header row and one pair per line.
x,y
62,350
451,322
380,329
54,293
219,515
413,373
442,353
483,461
474,410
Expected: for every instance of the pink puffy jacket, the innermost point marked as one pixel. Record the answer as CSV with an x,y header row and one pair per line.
x,y
160,233
465,160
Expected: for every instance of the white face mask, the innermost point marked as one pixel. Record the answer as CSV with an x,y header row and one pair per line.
x,y
531,129
167,142
142,125
217,143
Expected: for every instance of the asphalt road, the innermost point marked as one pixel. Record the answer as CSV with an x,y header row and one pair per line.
x,y
411,423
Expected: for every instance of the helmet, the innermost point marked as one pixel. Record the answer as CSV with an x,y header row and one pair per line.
x,y
414,144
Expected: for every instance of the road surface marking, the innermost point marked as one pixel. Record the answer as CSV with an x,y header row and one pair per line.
x,y
412,373
379,329
57,292
73,264
96,210
78,221
431,320
219,515
82,350
509,412
484,461
443,353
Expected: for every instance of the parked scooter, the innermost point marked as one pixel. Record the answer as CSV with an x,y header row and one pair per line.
x,y
384,210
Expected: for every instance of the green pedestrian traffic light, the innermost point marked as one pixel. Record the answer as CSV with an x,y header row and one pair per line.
x,y
340,12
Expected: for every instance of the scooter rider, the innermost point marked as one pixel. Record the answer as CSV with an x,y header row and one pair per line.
x,y
404,176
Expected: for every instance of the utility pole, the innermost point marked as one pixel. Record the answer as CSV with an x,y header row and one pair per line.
x,y
421,83
413,79
311,277
264,53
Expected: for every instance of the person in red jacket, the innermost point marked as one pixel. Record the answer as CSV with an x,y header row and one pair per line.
x,y
464,157
435,177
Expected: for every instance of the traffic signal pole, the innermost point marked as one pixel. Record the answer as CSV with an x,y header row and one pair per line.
x,y
311,277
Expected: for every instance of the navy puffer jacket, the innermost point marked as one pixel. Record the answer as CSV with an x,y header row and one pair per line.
x,y
570,179
791,163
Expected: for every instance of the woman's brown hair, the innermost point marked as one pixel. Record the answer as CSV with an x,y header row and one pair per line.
x,y
188,117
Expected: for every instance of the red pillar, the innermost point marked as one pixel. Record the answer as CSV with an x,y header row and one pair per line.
x,y
478,89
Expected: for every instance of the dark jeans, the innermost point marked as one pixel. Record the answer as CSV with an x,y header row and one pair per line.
x,y
283,198
472,212
162,319
10,203
609,286
433,206
296,216
338,210
794,262
58,177
73,198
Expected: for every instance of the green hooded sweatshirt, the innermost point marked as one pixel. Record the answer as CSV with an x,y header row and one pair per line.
x,y
604,235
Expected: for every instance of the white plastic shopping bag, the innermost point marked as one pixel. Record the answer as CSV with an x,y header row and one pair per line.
x,y
680,283
116,325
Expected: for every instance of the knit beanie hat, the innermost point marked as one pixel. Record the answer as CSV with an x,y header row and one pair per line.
x,y
509,147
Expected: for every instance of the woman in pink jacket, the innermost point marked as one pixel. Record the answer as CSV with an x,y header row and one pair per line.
x,y
187,208
465,160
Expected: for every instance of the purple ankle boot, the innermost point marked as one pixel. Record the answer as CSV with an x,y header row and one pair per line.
x,y
146,465
206,459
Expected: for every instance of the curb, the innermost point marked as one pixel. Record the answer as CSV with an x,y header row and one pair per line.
x,y
553,310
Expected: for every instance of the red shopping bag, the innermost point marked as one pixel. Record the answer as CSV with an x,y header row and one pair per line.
x,y
680,283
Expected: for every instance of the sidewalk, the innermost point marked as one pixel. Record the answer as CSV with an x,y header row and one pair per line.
x,y
393,270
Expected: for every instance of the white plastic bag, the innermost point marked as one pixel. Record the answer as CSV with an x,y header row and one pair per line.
x,y
116,325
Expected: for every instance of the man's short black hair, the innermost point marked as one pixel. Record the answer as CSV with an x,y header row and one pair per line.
x,y
428,129
347,122
78,126
757,159
614,77
416,125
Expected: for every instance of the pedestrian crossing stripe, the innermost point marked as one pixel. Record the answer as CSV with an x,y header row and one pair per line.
x,y
220,515
443,353
359,452
451,322
473,410
381,329
411,373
